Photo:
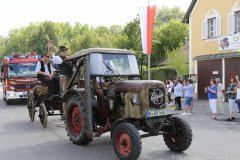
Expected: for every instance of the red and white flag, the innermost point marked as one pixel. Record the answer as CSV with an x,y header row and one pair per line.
x,y
146,23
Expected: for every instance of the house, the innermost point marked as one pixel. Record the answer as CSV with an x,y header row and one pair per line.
x,y
214,41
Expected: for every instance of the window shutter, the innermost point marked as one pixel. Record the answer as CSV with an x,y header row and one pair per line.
x,y
204,30
218,26
231,23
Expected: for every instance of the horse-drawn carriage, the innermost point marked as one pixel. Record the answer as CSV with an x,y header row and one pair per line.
x,y
39,100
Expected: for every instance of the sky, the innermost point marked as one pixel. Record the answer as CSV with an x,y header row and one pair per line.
x,y
20,13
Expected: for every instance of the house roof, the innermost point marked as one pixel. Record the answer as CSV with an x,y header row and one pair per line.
x,y
189,11
217,56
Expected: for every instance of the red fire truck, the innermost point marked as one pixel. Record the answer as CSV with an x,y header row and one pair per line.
x,y
18,76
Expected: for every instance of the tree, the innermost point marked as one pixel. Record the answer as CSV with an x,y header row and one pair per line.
x,y
178,60
168,37
165,14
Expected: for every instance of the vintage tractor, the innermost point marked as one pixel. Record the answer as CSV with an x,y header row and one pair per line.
x,y
106,94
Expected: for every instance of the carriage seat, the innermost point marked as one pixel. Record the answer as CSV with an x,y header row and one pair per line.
x,y
40,90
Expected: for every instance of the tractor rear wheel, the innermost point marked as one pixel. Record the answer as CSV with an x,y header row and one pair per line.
x,y
75,120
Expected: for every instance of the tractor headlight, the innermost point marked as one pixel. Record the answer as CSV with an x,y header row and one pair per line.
x,y
11,87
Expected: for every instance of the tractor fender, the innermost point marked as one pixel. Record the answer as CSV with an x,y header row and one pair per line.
x,y
70,93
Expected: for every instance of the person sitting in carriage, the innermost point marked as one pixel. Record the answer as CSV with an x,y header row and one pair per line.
x,y
45,73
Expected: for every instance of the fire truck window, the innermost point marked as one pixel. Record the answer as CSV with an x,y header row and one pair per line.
x,y
22,70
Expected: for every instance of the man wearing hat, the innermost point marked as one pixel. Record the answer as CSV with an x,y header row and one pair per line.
x,y
44,72
65,70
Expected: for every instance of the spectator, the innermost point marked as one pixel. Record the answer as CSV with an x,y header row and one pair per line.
x,y
238,97
212,96
169,89
178,92
188,90
231,94
220,97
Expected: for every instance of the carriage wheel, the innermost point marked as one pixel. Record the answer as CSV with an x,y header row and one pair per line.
x,y
43,115
31,106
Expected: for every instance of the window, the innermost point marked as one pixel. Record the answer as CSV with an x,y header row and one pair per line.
x,y
234,22
237,22
212,28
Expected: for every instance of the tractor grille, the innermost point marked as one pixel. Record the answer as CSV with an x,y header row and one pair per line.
x,y
156,98
21,87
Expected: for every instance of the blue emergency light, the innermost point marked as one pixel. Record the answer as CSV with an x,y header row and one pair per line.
x,y
38,57
11,58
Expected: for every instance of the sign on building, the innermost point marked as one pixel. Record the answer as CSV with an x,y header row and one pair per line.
x,y
230,42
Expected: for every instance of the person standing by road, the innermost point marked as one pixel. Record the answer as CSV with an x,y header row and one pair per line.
x,y
231,94
188,90
169,89
178,92
212,96
238,97
220,100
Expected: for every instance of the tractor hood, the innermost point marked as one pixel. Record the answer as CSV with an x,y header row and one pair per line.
x,y
135,86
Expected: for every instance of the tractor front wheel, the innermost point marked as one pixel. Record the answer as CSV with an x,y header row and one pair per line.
x,y
181,139
126,141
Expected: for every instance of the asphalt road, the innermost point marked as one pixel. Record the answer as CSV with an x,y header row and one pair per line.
x,y
21,139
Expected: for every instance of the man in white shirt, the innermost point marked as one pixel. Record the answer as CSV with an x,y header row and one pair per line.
x,y
44,71
220,97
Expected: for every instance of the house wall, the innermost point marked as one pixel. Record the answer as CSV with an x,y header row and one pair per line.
x,y
202,9
199,45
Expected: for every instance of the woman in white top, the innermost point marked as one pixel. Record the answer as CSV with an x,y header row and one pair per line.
x,y
220,100
238,97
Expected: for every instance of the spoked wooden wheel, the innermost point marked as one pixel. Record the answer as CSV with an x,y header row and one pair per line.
x,y
31,106
43,115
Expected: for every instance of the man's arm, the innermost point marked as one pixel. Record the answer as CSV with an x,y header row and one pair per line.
x,y
50,48
237,79
56,60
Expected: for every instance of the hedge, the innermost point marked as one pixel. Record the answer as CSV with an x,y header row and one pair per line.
x,y
160,73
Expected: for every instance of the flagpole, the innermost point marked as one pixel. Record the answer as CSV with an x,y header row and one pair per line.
x,y
149,58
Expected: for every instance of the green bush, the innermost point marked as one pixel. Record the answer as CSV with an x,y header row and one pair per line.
x,y
160,73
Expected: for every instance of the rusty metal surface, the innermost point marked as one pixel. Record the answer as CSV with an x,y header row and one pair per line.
x,y
135,86
140,88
